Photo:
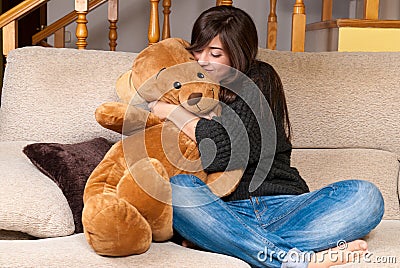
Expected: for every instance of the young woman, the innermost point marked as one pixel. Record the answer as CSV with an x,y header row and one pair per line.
x,y
279,223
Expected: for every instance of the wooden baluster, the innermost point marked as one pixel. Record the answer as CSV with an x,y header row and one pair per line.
x,y
154,27
10,37
166,32
113,19
371,9
272,25
298,26
59,38
223,3
326,10
81,8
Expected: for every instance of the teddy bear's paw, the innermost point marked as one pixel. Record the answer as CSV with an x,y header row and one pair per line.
x,y
224,183
113,227
110,115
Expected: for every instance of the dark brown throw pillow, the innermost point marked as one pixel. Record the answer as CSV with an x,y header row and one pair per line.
x,y
69,166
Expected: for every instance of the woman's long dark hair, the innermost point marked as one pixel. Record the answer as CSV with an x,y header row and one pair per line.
x,y
238,35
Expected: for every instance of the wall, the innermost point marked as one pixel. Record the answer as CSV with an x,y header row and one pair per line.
x,y
134,16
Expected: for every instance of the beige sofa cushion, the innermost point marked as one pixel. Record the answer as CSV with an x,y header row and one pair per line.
x,y
341,99
40,106
320,167
30,202
74,251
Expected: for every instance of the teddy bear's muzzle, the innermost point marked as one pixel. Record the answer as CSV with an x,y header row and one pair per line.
x,y
194,98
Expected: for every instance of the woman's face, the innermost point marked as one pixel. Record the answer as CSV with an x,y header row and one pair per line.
x,y
214,59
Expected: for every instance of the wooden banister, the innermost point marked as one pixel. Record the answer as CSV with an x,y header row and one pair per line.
x,y
63,22
154,26
326,10
166,32
113,19
272,25
9,22
224,3
371,9
298,26
19,11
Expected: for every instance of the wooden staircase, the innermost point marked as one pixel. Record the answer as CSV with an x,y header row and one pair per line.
x,y
365,34
368,33
9,23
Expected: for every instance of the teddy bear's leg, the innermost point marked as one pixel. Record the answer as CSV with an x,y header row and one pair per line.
x,y
146,186
113,227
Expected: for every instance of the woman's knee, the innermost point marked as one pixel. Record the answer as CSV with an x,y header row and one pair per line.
x,y
365,194
369,193
372,197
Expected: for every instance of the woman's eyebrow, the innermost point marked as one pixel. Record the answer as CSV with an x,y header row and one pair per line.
x,y
216,48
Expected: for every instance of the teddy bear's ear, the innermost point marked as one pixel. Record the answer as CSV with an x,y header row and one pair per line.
x,y
126,91
183,42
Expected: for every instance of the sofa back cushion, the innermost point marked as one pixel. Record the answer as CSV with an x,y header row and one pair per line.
x,y
320,167
50,95
341,99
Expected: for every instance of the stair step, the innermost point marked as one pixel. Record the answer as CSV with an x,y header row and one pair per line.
x,y
353,35
358,23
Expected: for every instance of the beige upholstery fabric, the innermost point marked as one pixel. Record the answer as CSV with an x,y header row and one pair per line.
x,y
383,246
30,202
73,251
341,100
320,167
53,99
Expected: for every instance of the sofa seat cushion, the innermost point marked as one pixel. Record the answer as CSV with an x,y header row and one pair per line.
x,y
383,246
320,167
30,202
74,251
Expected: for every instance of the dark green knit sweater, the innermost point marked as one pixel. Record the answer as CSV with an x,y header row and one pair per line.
x,y
234,140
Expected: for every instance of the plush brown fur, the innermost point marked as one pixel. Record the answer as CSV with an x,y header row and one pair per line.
x,y
127,199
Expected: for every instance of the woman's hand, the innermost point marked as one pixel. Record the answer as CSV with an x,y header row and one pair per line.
x,y
183,119
162,109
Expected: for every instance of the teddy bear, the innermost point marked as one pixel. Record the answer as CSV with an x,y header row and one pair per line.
x,y
127,198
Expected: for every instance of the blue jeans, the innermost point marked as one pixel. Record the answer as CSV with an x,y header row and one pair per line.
x,y
265,230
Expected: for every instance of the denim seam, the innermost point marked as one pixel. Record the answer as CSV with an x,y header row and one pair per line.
x,y
305,202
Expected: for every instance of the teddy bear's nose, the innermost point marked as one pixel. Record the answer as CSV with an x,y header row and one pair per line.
x,y
194,98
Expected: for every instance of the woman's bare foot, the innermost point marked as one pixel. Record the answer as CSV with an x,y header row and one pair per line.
x,y
342,254
189,244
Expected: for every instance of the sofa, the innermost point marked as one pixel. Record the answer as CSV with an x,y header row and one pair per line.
x,y
345,116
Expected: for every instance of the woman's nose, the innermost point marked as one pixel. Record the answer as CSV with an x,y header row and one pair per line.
x,y
202,58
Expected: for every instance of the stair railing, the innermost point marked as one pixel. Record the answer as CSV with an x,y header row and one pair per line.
x,y
58,27
9,22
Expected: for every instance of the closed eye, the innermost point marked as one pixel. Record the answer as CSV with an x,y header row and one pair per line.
x,y
162,69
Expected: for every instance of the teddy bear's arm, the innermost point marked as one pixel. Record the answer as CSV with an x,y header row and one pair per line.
x,y
113,116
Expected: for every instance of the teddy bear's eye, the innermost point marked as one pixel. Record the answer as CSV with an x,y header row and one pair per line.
x,y
177,85
200,75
